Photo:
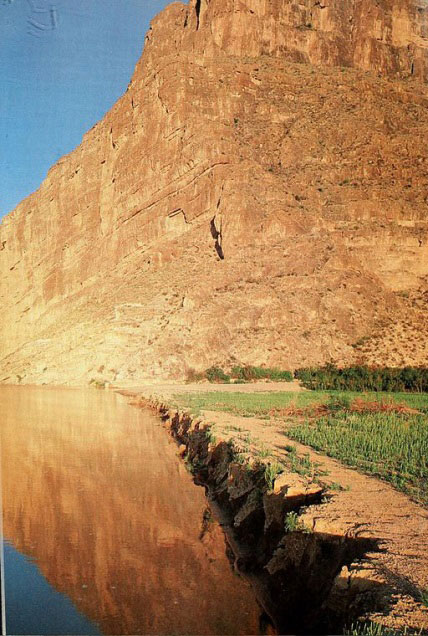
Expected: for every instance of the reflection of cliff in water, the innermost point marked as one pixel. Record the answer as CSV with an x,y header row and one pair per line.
x,y
94,493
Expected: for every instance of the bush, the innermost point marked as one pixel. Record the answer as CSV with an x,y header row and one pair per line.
x,y
339,402
250,373
217,375
98,384
292,523
271,473
241,374
362,378
194,376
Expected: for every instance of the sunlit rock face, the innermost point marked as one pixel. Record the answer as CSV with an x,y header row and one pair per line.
x,y
258,195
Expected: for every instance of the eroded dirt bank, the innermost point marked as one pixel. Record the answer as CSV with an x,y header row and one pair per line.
x,y
319,557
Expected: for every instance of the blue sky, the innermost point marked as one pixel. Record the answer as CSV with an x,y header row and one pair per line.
x,y
63,64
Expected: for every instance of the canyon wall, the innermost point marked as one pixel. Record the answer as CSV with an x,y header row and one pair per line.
x,y
258,195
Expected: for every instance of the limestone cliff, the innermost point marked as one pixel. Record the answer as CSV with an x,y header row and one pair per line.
x,y
258,195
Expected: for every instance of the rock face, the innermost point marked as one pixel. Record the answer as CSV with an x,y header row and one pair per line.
x,y
258,195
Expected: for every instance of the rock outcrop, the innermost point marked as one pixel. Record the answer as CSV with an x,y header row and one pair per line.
x,y
258,195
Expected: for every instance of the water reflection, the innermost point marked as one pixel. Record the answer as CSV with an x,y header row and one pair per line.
x,y
24,581
94,494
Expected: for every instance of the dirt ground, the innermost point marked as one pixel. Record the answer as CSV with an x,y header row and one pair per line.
x,y
364,507
165,391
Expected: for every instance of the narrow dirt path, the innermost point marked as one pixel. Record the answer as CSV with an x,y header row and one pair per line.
x,y
166,390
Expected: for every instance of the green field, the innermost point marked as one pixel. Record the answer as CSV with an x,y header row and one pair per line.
x,y
260,404
390,445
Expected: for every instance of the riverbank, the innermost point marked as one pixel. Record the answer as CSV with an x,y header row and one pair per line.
x,y
325,544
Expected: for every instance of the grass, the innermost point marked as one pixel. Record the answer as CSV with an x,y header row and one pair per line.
x,y
375,629
211,437
272,470
292,523
245,404
392,446
301,465
263,451
262,404
368,629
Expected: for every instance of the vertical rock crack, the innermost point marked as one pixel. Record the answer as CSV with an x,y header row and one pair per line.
x,y
198,13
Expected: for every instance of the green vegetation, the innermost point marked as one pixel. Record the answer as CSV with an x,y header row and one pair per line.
x,y
250,373
375,629
271,473
424,597
393,446
98,384
263,451
292,523
335,486
362,378
368,629
217,375
210,435
246,404
299,464
268,404
239,374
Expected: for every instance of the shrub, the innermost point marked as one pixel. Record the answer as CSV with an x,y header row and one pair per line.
x,y
217,375
424,597
339,402
194,376
209,433
250,373
271,473
98,384
363,378
292,523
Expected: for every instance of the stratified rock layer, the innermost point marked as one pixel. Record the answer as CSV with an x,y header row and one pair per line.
x,y
258,195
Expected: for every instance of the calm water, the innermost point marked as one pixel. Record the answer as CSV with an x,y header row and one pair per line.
x,y
105,531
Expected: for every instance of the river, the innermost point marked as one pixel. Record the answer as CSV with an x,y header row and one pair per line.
x,y
104,530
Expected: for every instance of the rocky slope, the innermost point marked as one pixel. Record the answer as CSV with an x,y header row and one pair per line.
x,y
258,195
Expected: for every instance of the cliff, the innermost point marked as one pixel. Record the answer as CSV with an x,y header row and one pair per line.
x,y
258,195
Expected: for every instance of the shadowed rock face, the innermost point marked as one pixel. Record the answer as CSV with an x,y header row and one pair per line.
x,y
259,194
